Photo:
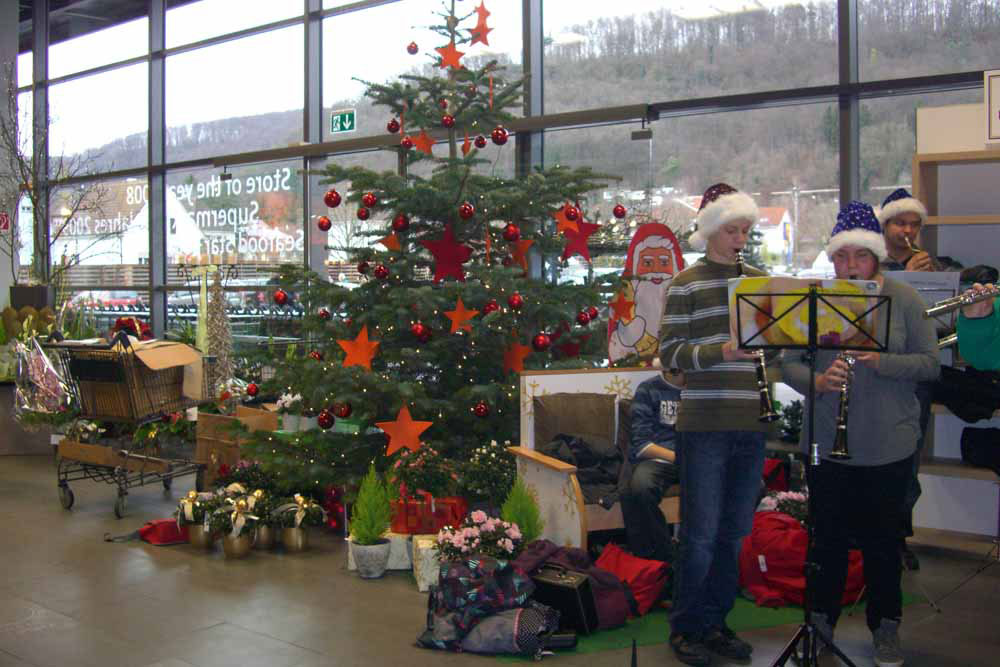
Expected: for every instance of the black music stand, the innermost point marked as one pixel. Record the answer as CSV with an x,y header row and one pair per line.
x,y
806,635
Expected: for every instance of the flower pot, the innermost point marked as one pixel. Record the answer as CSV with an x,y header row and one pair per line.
x,y
36,296
295,539
265,537
308,423
291,423
237,547
200,536
371,559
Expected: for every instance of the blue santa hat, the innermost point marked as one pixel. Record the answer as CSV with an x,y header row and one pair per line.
x,y
858,226
899,202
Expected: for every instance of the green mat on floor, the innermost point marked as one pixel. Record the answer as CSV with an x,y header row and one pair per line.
x,y
654,629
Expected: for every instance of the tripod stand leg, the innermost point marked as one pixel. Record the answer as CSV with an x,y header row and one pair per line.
x,y
801,635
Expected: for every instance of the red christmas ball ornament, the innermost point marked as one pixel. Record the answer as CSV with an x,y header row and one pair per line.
x,y
541,342
369,199
332,198
443,103
583,318
363,267
381,272
593,312
480,141
511,232
516,301
392,127
619,211
363,213
324,314
316,355
419,330
325,419
448,120
500,135
323,223
507,261
401,222
571,212
491,307
406,142
481,409
252,390
280,297
466,211
342,410
412,48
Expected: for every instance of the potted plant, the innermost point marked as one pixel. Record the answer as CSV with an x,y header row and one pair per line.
x,y
308,420
237,525
487,476
261,503
294,516
521,509
192,511
369,522
288,407
479,535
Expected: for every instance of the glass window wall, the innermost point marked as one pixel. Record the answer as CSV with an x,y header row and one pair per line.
x,y
100,47
190,22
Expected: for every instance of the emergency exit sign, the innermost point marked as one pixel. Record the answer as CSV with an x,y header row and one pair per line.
x,y
342,120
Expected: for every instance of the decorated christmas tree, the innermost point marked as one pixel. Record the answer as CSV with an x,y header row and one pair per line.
x,y
220,336
427,350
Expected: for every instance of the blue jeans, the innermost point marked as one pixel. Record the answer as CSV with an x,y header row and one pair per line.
x,y
720,482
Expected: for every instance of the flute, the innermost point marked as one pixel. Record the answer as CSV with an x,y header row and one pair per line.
x,y
960,301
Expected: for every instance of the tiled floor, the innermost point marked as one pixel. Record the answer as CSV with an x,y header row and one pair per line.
x,y
68,598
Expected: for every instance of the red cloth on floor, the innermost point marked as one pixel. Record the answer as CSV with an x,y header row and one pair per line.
x,y
646,578
772,562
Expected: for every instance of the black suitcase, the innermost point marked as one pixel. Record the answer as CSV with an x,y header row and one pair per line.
x,y
570,593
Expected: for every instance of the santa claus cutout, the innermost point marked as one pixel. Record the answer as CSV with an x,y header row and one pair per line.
x,y
654,257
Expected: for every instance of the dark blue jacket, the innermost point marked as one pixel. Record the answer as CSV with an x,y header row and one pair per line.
x,y
654,414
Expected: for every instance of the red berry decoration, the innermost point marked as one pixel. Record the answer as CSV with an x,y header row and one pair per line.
x,y
363,267
325,419
499,135
516,301
541,342
342,410
511,232
323,223
381,272
363,213
448,120
481,409
401,222
466,211
619,211
252,390
369,199
324,314
583,318
332,198
571,212
593,312
392,127
480,141
280,297
316,355
491,307
406,142
412,48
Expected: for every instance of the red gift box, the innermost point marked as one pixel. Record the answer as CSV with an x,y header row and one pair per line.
x,y
425,514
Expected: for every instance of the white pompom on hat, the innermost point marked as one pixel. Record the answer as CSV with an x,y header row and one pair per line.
x,y
721,204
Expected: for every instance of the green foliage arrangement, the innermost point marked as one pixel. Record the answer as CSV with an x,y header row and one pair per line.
x,y
488,475
372,510
297,512
222,519
521,508
423,470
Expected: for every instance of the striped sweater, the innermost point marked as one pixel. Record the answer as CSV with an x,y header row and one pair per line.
x,y
720,395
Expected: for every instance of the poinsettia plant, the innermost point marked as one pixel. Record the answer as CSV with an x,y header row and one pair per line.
x,y
479,534
793,503
134,327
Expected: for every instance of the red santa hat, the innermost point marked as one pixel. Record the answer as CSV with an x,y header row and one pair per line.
x,y
652,235
721,204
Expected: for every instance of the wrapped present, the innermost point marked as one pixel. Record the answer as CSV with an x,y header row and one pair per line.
x,y
426,566
424,514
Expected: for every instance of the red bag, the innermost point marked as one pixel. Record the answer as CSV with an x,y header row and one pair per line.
x,y
427,515
646,578
775,475
164,532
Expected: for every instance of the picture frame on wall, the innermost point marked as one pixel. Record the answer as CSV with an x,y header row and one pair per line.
x,y
991,102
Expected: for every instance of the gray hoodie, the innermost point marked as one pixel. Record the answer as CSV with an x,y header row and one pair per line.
x,y
883,415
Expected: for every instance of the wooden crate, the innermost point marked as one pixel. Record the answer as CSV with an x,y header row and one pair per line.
x,y
111,457
219,445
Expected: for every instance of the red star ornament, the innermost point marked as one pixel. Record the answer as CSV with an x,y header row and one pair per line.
x,y
480,34
466,145
621,308
360,350
460,316
482,11
404,432
391,242
450,56
514,356
576,242
424,143
519,252
562,223
449,256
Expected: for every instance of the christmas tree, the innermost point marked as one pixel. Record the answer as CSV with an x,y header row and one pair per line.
x,y
428,349
220,337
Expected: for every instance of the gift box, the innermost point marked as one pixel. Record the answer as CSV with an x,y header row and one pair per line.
x,y
425,514
426,566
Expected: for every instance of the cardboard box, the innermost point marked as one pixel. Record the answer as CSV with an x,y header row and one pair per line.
x,y
218,444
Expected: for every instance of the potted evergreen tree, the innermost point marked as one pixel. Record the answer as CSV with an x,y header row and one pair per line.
x,y
369,522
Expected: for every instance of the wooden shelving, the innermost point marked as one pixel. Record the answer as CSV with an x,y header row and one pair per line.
x,y
925,184
963,219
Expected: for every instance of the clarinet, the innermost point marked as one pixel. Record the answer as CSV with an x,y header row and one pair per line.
x,y
840,438
767,413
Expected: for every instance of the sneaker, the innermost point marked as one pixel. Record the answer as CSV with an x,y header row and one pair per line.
x,y
725,642
690,649
910,561
886,638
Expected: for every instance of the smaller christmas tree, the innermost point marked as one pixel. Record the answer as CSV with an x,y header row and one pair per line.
x,y
220,336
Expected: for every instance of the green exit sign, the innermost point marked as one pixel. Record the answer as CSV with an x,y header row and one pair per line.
x,y
342,120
